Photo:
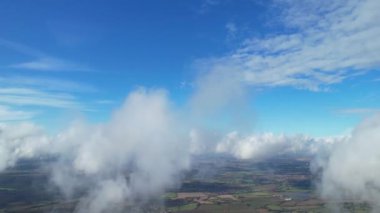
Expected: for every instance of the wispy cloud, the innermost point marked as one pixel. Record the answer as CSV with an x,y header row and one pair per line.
x,y
327,44
46,83
50,64
26,50
29,92
27,96
41,61
359,111
105,102
8,114
231,30
206,4
46,93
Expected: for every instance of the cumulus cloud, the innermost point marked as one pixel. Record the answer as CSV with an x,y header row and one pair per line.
x,y
19,141
268,145
140,152
108,196
137,155
203,141
351,170
216,88
219,97
346,167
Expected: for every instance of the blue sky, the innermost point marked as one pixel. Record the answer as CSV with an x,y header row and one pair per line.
x,y
308,68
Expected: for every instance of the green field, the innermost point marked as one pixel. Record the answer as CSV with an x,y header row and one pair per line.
x,y
276,185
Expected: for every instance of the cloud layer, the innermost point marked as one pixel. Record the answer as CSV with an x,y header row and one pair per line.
x,y
19,141
352,169
321,44
143,149
138,154
268,145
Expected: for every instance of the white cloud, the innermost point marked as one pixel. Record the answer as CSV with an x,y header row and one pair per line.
x,y
231,30
17,90
268,145
50,64
41,61
7,114
21,48
24,140
35,97
25,91
142,141
329,43
46,92
359,111
108,196
206,4
351,170
147,143
46,83
215,90
137,155
105,102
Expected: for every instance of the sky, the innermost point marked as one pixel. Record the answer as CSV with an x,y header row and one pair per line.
x,y
306,67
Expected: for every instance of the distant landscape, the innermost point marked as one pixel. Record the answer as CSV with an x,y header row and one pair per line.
x,y
215,184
